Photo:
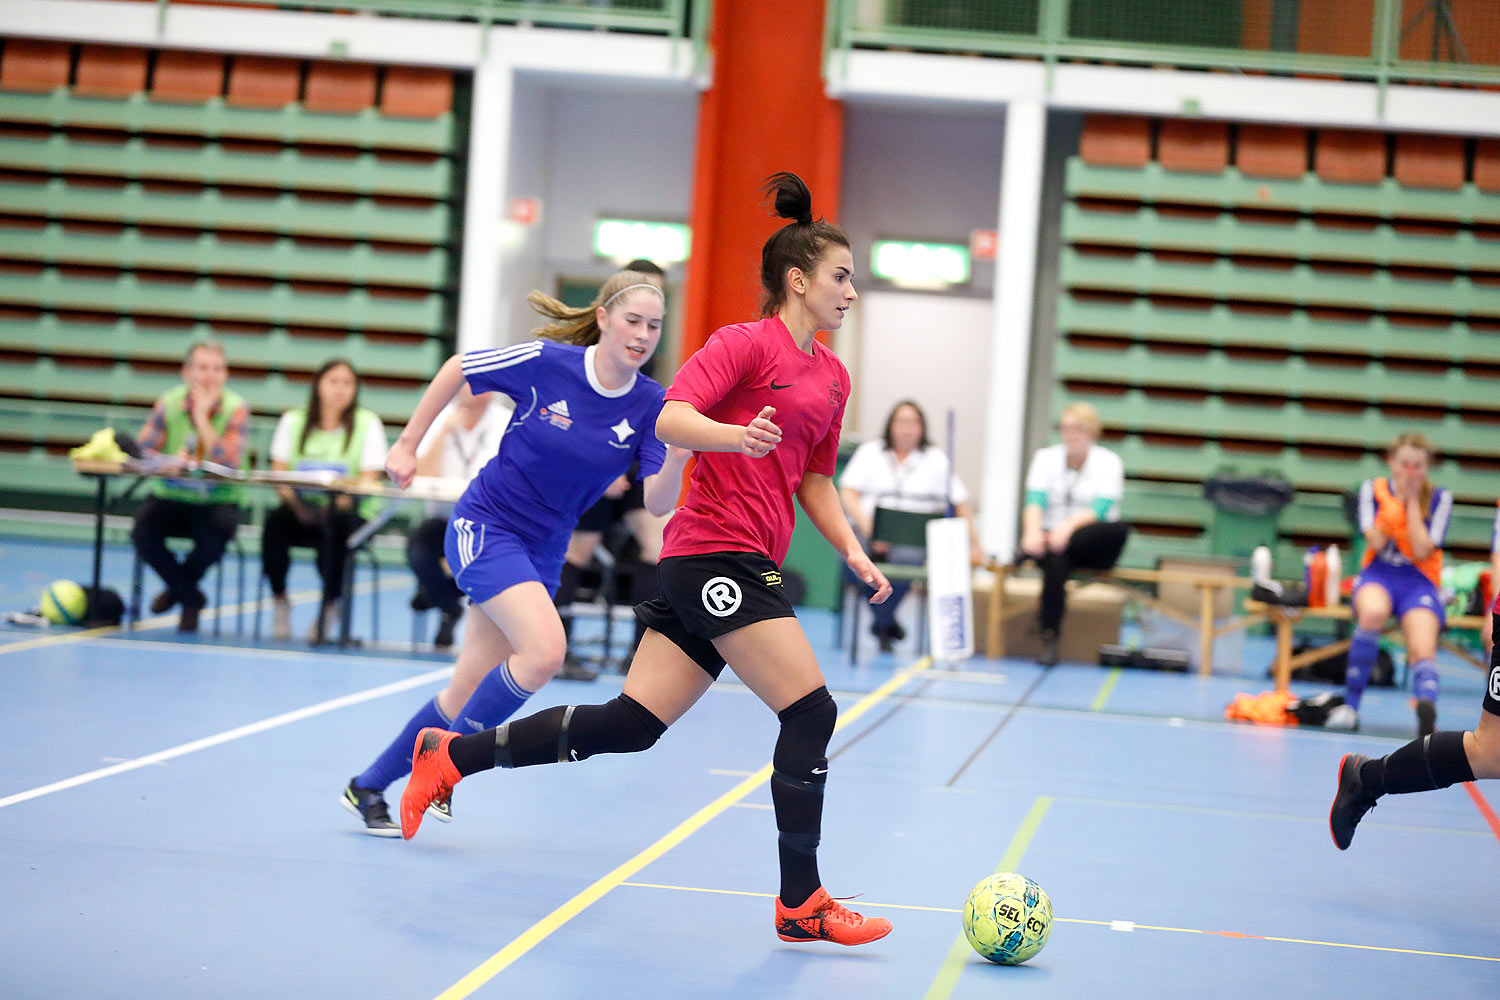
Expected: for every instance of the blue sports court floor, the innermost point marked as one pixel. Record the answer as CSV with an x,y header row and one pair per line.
x,y
170,827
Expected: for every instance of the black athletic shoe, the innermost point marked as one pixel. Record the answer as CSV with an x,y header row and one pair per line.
x,y
369,805
1351,803
1426,717
1048,656
442,809
446,623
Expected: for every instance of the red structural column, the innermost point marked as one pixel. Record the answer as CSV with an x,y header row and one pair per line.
x,y
766,110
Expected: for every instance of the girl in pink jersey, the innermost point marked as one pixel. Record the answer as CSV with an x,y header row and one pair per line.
x,y
761,405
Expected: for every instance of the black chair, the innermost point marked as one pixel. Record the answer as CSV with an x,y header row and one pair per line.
x,y
906,533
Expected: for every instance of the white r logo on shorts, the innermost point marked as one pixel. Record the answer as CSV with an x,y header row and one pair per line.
x,y
721,597
1495,683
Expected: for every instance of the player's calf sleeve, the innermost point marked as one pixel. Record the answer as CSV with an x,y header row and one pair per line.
x,y
1434,761
799,771
1364,647
567,732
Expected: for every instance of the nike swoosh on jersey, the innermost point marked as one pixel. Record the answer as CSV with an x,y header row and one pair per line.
x,y
787,386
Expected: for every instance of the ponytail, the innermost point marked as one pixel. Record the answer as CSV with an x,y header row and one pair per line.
x,y
800,244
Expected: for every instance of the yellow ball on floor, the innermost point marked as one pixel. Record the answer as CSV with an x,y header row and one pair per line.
x,y
64,603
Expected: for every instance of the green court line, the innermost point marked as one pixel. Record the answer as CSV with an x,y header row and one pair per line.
x,y
958,955
1105,690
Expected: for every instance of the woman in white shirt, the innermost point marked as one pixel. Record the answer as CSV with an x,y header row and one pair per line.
x,y
331,433
465,436
1071,517
902,471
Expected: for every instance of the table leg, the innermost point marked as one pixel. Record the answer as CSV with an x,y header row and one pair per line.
x,y
101,501
1283,649
1205,629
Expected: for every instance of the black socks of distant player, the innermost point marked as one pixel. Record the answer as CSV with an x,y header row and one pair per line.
x,y
567,732
1434,761
799,770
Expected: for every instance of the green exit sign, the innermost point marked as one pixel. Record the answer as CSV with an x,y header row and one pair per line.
x,y
920,265
626,239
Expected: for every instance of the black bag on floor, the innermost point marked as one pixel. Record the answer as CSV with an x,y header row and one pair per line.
x,y
104,607
1333,669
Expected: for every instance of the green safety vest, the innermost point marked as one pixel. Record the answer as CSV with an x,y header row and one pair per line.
x,y
328,450
180,430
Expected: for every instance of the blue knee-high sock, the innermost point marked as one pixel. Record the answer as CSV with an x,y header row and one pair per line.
x,y
395,760
1424,679
495,699
1363,648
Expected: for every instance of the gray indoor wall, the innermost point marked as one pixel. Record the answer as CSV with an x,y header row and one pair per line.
x,y
931,175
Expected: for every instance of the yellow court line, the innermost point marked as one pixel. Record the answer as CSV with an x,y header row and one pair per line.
x,y
1008,862
539,931
1105,690
958,955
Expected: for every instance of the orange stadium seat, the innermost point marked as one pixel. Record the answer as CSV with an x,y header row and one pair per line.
x,y
30,64
1350,156
1487,165
342,88
1190,144
187,76
110,71
264,81
1432,161
1115,141
416,92
1271,151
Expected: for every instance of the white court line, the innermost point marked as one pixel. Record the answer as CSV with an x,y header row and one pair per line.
x,y
286,718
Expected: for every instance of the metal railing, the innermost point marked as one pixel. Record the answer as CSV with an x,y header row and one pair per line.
x,y
678,20
1428,41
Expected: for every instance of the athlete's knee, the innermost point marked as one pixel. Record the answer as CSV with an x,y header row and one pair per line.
x,y
806,726
539,661
620,725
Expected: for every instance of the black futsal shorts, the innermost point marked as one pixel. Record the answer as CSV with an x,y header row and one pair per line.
x,y
704,597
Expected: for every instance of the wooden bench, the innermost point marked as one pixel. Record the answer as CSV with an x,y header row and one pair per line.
x,y
1208,586
1285,620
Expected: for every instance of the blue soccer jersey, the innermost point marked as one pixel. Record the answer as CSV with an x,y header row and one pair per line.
x,y
569,439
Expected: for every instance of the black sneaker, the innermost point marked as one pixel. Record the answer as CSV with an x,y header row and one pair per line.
x,y
1048,656
369,805
1426,717
444,636
1351,803
573,670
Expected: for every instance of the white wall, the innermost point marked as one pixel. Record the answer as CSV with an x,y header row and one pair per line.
x,y
934,349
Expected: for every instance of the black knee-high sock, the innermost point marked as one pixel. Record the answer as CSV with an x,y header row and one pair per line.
x,y
799,771
567,593
1434,761
554,735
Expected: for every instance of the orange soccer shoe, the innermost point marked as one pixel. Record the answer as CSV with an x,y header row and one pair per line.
x,y
822,918
432,778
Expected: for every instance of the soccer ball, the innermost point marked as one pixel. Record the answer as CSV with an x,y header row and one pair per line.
x,y
1008,918
64,603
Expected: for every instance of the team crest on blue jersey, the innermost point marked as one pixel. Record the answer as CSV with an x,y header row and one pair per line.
x,y
623,432
557,414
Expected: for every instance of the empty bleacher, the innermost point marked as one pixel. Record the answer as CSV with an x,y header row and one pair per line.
x,y
294,209
1281,298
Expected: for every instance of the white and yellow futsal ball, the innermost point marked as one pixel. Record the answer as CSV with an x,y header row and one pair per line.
x,y
64,603
1008,918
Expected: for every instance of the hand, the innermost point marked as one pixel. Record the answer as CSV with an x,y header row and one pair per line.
x,y
678,456
865,570
976,555
1034,544
304,513
761,436
880,547
618,488
1057,538
203,405
401,464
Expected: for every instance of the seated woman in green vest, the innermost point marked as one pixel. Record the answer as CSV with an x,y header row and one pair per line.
x,y
333,433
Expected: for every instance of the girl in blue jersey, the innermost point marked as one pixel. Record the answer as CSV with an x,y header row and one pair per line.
x,y
584,413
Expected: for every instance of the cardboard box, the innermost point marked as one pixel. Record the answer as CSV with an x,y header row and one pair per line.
x,y
1092,619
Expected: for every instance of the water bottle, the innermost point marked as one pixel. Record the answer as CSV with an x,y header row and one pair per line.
x,y
1260,566
1314,576
1335,577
